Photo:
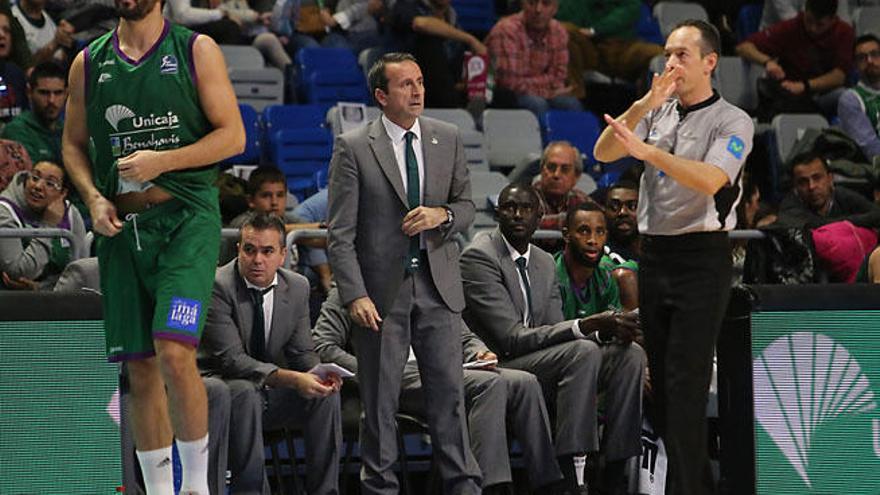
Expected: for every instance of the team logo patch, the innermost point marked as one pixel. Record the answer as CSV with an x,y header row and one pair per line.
x,y
736,146
184,314
168,65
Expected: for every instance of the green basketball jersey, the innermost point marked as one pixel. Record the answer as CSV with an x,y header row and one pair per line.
x,y
147,104
870,103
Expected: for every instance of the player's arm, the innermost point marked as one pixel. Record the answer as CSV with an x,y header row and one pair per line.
x,y
75,145
218,102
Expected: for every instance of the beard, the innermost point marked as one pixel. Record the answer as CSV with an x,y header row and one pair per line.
x,y
624,236
140,9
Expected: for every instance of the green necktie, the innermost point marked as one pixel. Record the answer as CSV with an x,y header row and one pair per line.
x,y
412,195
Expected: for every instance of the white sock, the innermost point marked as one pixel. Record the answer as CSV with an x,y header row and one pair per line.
x,y
194,464
580,463
156,465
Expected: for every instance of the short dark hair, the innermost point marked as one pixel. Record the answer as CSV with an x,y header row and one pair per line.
x,y
525,186
377,77
572,212
262,175
263,221
807,157
821,8
47,70
710,39
624,184
866,38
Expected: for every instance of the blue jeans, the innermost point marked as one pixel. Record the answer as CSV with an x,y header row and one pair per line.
x,y
539,106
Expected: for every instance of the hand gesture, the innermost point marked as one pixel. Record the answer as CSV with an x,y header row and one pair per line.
x,y
663,86
363,312
774,70
623,326
54,212
140,166
634,146
104,219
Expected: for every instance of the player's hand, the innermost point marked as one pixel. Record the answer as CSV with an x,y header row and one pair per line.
x,y
774,70
634,146
20,283
363,312
310,386
423,218
622,326
104,219
794,87
140,166
663,86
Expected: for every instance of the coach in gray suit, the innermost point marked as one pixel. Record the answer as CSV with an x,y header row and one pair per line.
x,y
494,397
398,190
266,369
514,304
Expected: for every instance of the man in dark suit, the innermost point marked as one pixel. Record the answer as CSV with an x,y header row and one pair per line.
x,y
497,400
398,190
514,304
257,339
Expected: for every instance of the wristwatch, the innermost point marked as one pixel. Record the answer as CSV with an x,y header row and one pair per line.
x,y
450,217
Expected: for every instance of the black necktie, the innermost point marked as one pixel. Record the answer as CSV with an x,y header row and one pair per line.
x,y
521,264
412,196
258,330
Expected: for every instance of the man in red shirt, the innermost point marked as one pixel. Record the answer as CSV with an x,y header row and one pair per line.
x,y
806,58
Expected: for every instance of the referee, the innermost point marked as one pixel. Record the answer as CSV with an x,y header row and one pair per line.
x,y
694,144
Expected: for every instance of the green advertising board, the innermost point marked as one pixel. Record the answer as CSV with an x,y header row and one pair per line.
x,y
816,378
59,430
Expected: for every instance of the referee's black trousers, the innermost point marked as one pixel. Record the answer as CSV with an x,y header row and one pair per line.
x,y
684,286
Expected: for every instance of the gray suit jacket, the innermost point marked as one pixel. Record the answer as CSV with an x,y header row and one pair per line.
x,y
332,335
495,303
224,348
367,203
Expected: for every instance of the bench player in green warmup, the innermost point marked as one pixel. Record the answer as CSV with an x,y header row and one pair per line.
x,y
151,110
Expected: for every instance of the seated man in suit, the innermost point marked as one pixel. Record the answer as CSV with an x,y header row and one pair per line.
x,y
492,395
514,304
257,340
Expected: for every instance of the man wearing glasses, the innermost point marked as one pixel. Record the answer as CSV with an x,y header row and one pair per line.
x,y
859,107
37,199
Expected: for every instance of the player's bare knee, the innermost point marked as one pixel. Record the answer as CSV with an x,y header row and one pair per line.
x,y
176,360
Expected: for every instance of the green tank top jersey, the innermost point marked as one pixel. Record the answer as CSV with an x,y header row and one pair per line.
x,y
871,104
147,104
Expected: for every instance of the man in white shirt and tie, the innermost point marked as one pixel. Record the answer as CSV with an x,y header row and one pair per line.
x,y
258,340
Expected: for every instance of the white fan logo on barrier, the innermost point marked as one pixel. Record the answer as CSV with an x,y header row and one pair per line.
x,y
801,381
115,113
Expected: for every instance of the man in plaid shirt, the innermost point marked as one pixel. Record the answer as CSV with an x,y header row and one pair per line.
x,y
529,50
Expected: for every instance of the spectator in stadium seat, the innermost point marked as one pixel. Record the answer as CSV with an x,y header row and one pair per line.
x,y
514,305
816,201
783,10
37,199
357,21
39,129
561,167
859,107
313,259
257,339
221,25
492,395
602,37
530,53
46,39
13,84
427,29
806,58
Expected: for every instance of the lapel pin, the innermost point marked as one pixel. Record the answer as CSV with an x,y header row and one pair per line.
x,y
433,140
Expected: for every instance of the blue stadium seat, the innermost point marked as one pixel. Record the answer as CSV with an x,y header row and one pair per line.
x,y
253,136
579,128
332,86
748,20
299,153
278,117
475,16
647,28
317,59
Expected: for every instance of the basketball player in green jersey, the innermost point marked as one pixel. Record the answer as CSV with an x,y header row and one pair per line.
x,y
151,110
